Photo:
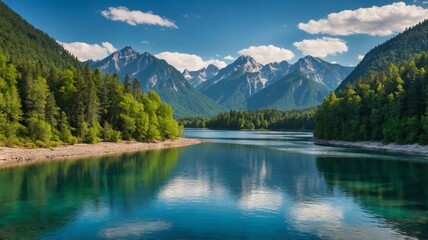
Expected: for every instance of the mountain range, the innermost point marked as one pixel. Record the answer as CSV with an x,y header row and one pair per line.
x,y
196,78
247,84
156,74
243,84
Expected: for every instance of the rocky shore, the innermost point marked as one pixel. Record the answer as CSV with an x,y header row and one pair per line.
x,y
19,156
414,149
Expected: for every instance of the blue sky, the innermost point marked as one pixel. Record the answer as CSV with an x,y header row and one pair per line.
x,y
194,33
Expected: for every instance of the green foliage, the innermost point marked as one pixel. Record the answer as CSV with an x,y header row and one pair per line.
x,y
70,105
388,107
64,130
256,119
398,49
23,43
37,128
168,127
109,134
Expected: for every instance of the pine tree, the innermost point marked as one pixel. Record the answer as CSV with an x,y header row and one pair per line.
x,y
136,88
126,85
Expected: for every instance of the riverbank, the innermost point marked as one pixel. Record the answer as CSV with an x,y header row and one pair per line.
x,y
19,156
415,149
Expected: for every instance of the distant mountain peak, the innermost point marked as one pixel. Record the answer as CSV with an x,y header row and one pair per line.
x,y
196,78
245,64
309,58
147,54
318,70
212,67
128,50
244,59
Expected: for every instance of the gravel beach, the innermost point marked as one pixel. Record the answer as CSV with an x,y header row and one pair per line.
x,y
19,156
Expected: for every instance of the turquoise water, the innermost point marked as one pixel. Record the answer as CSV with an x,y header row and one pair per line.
x,y
237,185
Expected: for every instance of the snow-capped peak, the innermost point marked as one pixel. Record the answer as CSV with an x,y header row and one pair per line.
x,y
196,78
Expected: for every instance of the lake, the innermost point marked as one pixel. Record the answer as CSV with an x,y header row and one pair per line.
x,y
236,185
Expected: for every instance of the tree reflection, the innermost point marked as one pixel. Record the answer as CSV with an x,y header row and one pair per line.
x,y
397,191
35,199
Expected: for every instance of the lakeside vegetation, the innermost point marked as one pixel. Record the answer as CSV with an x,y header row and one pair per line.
x,y
41,105
301,120
387,107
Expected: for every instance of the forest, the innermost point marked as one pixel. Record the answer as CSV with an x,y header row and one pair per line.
x,y
389,106
396,50
256,119
43,106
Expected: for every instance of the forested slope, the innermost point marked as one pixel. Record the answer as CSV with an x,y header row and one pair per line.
x,y
390,106
46,108
23,43
398,49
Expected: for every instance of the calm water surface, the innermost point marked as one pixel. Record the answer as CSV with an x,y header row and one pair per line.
x,y
237,185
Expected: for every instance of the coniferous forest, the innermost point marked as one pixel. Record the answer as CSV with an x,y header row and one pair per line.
x,y
387,107
256,119
41,105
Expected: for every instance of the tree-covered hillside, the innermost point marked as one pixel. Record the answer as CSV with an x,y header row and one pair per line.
x,y
22,43
390,106
47,108
398,49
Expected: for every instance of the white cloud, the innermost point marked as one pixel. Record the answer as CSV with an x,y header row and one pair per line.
x,y
321,47
190,62
229,57
360,57
135,17
267,54
84,51
374,21
145,42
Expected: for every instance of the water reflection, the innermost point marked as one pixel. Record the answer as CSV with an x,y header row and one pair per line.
x,y
259,186
134,229
394,191
189,190
38,199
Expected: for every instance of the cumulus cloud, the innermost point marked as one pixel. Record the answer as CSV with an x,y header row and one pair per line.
x,y
136,17
229,57
190,62
321,47
374,21
267,54
84,51
360,57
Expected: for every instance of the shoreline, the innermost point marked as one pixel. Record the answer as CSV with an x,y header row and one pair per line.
x,y
10,157
413,149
